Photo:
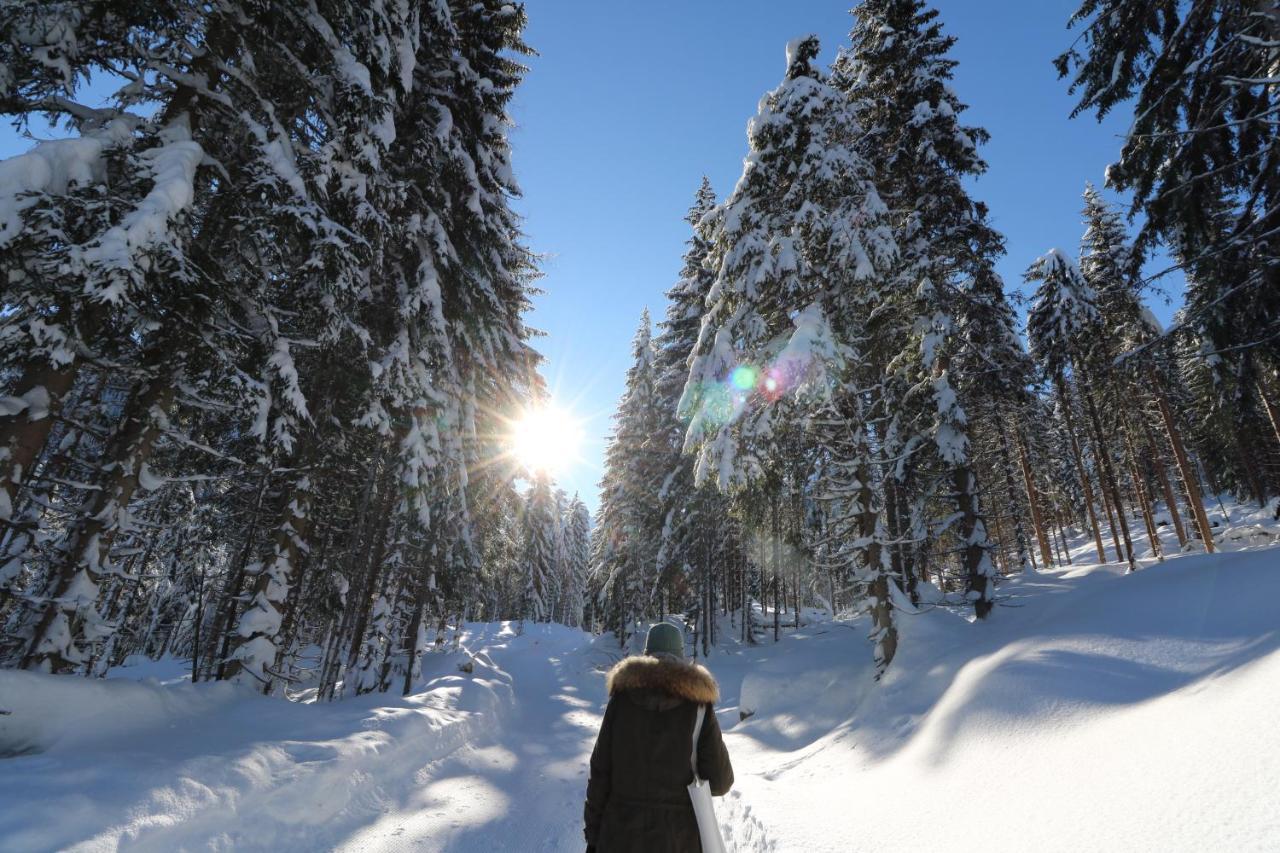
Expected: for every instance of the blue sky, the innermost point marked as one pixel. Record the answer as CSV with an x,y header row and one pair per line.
x,y
629,104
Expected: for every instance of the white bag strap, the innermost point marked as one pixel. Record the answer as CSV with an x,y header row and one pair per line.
x,y
697,730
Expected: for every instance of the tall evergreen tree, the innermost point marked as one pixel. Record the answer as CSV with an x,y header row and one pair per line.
x,y
796,246
897,76
576,522
692,517
1201,159
626,536
541,555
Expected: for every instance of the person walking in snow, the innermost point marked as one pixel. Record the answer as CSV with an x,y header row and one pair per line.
x,y
637,791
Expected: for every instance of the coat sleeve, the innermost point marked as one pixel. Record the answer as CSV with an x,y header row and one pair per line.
x,y
600,778
713,758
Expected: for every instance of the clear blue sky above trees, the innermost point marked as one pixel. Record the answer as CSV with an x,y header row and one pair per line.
x,y
627,105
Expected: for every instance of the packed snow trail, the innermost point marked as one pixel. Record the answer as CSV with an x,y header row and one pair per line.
x,y
521,786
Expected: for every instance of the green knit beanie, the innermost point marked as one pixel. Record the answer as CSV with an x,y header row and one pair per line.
x,y
664,638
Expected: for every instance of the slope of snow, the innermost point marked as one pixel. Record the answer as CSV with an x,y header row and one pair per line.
x,y
1095,711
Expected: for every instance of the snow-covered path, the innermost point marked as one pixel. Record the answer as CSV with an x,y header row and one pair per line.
x,y
520,787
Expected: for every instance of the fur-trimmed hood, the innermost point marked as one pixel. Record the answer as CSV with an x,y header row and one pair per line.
x,y
679,678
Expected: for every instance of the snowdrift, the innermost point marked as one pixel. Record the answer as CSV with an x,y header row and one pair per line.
x,y
1094,711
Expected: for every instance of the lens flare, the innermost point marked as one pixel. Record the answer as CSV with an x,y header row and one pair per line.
x,y
744,377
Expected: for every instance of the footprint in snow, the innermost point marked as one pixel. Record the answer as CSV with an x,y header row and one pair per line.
x,y
741,830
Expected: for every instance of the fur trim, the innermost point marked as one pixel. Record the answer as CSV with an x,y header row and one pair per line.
x,y
679,678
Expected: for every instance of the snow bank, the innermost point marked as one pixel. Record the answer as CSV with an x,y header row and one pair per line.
x,y
212,766
45,713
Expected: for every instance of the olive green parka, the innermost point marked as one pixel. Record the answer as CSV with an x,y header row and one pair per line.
x,y
637,793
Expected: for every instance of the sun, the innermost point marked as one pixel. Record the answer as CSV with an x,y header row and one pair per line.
x,y
546,440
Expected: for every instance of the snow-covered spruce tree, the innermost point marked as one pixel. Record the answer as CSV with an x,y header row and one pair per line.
x,y
1063,327
1107,264
1201,162
797,244
448,343
540,554
213,133
628,525
1127,347
1202,157
994,373
897,77
693,517
277,357
313,329
576,523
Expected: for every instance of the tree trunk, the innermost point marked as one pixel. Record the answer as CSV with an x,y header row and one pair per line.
x,y
411,645
1273,412
1062,535
1011,490
1162,473
1140,489
220,633
893,517
776,527
23,435
258,632
884,634
1002,561
87,546
1189,482
365,597
973,549
1033,500
1109,477
1078,459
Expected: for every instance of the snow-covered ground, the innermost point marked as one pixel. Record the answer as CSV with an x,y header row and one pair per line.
x,y
1094,711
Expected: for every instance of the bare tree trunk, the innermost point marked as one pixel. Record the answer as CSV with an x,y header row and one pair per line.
x,y
1078,459
1109,477
1033,500
258,632
776,528
885,633
1002,562
220,634
1140,490
1166,487
973,538
1062,534
1189,482
365,595
893,517
1248,468
1273,412
411,645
